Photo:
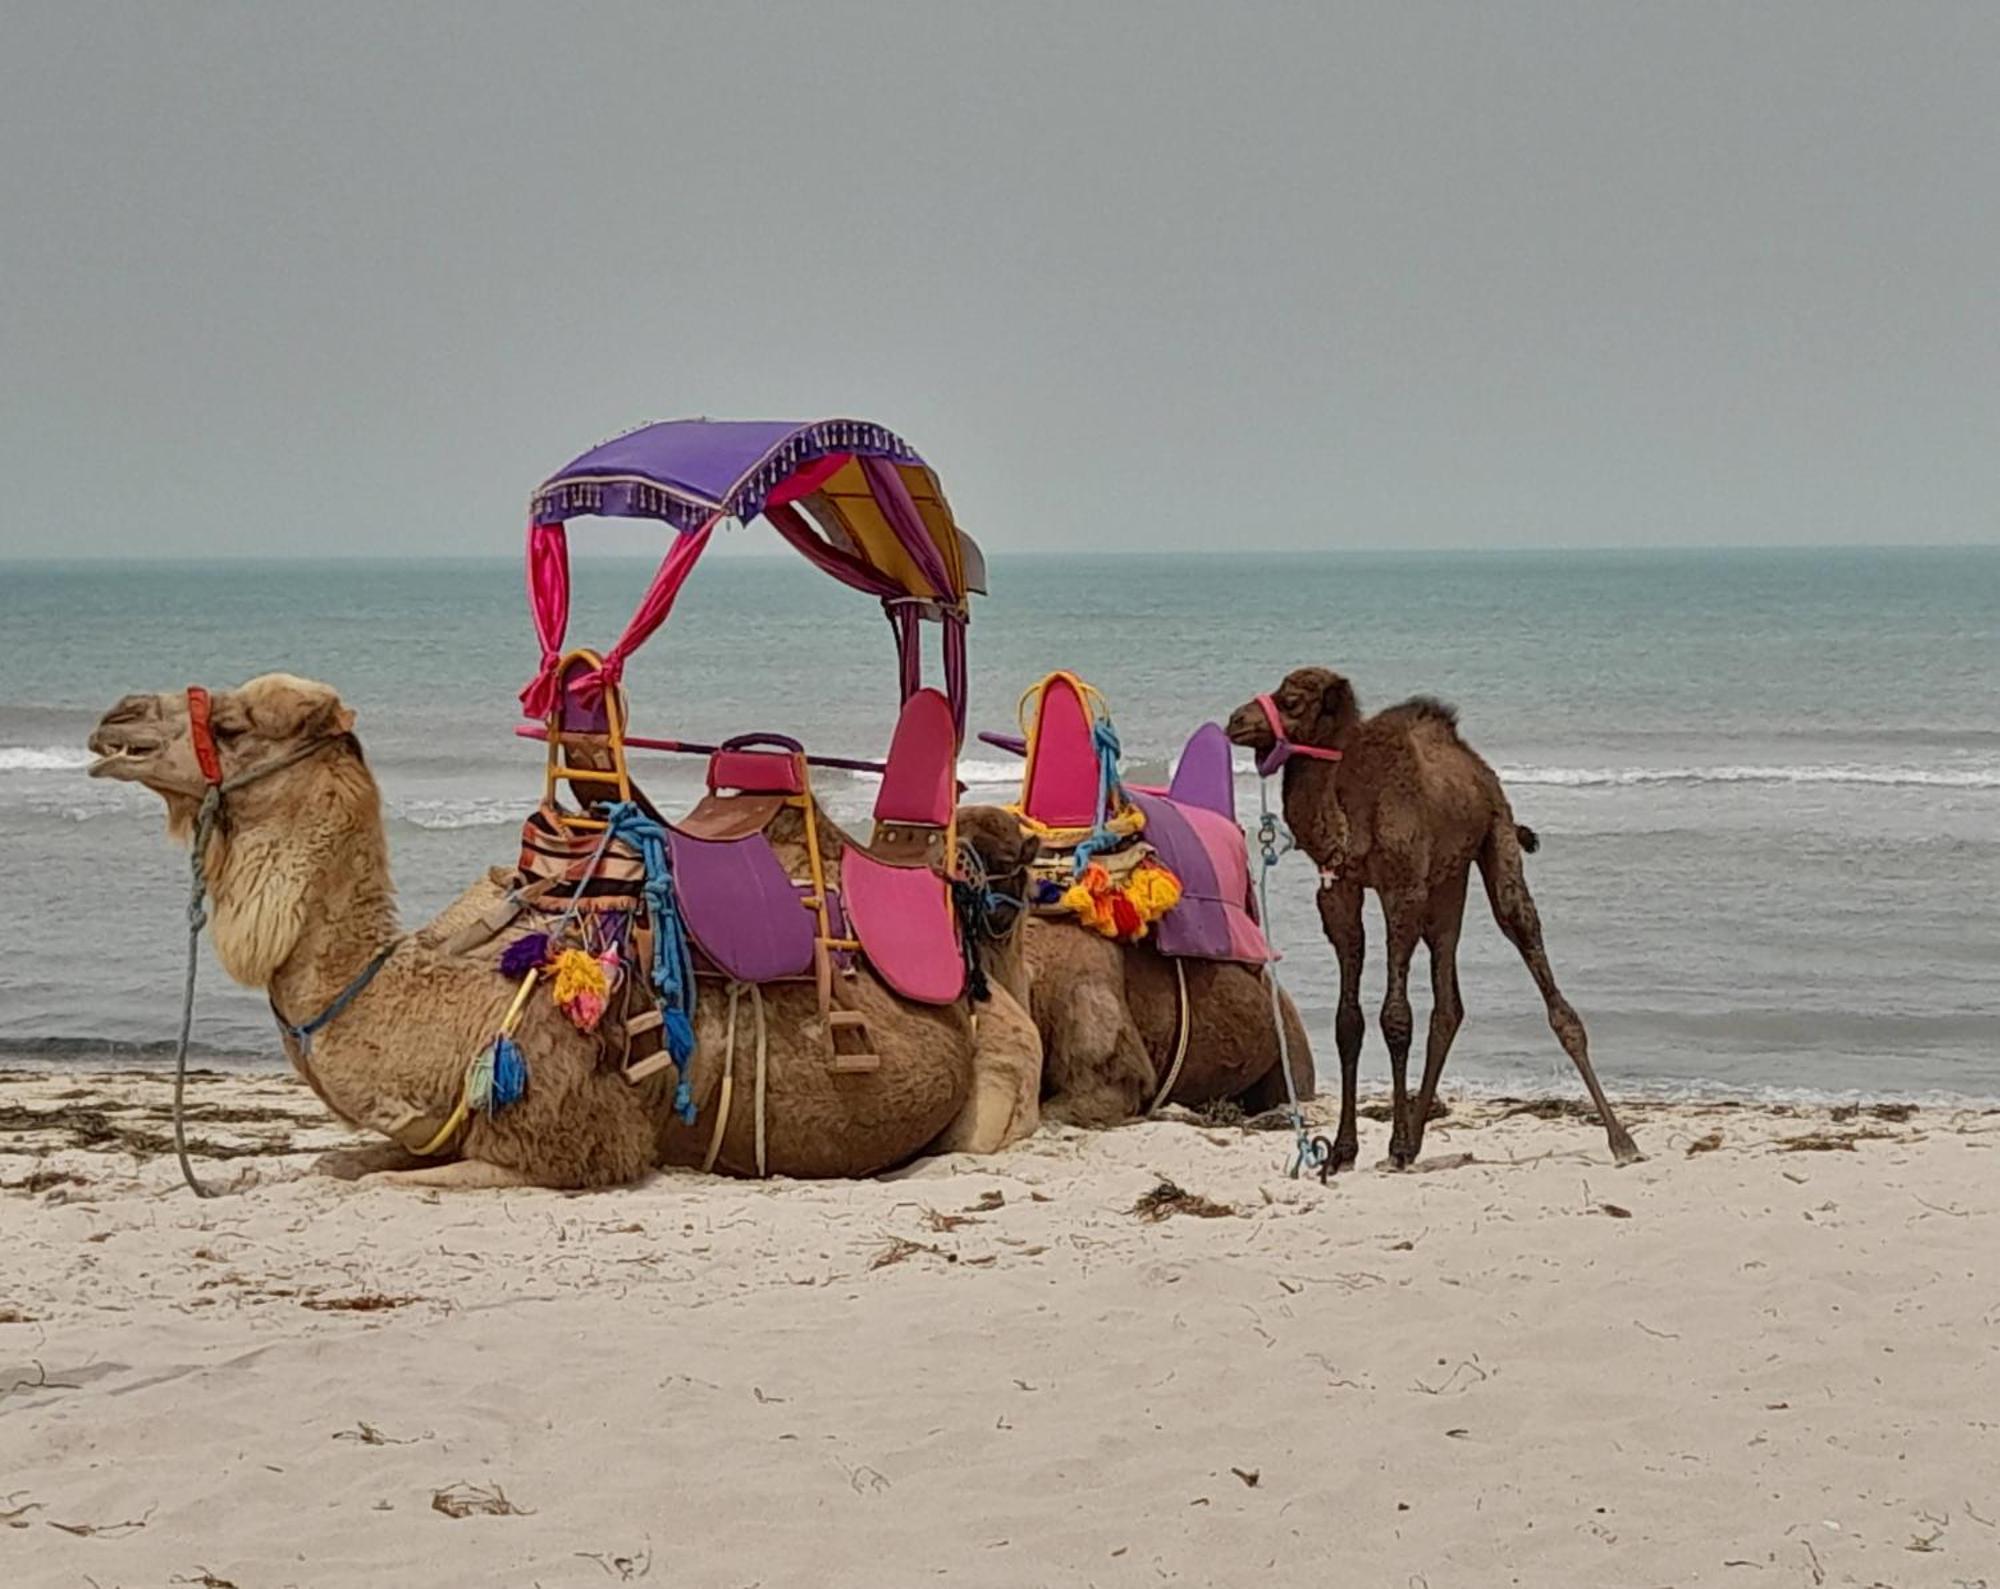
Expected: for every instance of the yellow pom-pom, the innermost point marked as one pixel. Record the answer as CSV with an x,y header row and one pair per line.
x,y
578,973
1154,891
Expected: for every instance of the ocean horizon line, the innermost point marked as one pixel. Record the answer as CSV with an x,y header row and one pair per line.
x,y
777,552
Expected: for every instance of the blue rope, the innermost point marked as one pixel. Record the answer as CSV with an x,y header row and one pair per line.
x,y
1273,841
1110,796
673,955
302,1034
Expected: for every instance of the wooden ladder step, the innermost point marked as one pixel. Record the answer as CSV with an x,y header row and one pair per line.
x,y
850,1061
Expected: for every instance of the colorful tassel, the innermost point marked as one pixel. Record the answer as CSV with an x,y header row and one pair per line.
x,y
582,988
524,955
510,1073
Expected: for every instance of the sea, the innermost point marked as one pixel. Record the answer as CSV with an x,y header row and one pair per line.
x,y
1767,782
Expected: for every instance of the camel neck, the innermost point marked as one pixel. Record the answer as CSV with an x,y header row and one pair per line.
x,y
303,895
1312,803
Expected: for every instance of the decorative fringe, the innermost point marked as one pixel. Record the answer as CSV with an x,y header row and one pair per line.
x,y
524,955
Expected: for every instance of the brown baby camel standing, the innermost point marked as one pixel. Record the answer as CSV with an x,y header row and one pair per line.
x,y
1405,807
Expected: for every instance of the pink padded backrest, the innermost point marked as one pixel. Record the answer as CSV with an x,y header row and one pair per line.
x,y
577,716
754,772
1060,789
920,779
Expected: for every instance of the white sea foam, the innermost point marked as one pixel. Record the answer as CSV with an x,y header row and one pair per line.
x,y
43,758
479,811
1986,777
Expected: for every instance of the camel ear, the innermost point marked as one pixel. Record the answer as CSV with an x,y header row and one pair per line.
x,y
1031,846
1337,700
329,721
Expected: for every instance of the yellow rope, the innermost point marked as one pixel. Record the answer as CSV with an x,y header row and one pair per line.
x,y
1180,1043
457,1117
728,1084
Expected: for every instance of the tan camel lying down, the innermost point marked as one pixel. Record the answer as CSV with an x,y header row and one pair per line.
x,y
301,902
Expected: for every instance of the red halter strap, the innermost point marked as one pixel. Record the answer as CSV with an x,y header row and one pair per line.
x,y
202,734
1284,748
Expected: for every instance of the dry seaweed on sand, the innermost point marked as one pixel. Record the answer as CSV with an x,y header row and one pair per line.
x,y
1832,1141
1382,1109
1166,1199
475,1500
1548,1109
1707,1144
1896,1113
901,1247
368,1302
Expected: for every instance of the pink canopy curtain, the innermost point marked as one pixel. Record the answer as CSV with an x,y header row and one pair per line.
x,y
674,570
793,525
954,669
548,599
893,497
906,621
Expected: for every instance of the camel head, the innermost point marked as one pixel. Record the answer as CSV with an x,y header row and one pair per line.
x,y
1315,707
1005,850
147,739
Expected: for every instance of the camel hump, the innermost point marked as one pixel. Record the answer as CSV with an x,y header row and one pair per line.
x,y
1426,708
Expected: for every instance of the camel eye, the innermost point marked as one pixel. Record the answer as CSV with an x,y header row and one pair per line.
x,y
229,725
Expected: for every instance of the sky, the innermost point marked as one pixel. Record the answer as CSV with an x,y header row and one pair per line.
x,y
314,279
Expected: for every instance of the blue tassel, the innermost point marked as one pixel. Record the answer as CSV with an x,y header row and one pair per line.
x,y
672,971
510,1073
680,1043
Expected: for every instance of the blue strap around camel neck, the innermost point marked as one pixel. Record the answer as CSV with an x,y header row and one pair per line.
x,y
302,1034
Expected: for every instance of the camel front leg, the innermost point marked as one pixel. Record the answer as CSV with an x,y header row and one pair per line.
x,y
460,1175
1005,1103
1340,917
1403,919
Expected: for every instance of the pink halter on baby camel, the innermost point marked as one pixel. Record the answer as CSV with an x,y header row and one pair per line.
x,y
1283,749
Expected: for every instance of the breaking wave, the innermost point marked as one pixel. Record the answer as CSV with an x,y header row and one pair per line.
x,y
1637,777
43,758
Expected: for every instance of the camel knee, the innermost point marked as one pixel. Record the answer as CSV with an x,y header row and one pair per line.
x,y
1566,1024
1349,1028
1397,1025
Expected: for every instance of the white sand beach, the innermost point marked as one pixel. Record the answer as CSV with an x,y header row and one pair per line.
x,y
1769,1356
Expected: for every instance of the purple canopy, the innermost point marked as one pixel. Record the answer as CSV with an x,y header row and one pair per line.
x,y
853,497
687,471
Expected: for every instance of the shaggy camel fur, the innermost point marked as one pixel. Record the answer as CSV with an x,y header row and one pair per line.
x,y
1109,1017
1407,811
301,900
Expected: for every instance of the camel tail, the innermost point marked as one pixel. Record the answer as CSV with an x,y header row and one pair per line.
x,y
1527,837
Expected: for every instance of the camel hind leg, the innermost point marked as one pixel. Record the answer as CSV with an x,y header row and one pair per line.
x,y
1447,915
1514,909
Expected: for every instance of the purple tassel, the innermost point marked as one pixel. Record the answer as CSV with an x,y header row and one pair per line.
x,y
524,955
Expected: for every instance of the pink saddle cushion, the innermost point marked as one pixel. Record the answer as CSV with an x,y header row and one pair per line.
x,y
754,772
920,779
902,915
1060,789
